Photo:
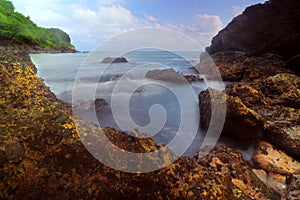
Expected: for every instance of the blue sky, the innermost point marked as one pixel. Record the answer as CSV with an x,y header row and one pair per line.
x,y
89,22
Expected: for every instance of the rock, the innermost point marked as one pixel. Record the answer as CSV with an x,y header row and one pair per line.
x,y
284,89
266,109
261,174
114,60
168,75
240,121
294,64
100,103
253,32
193,78
222,174
267,157
14,151
293,187
3,158
277,182
236,66
273,180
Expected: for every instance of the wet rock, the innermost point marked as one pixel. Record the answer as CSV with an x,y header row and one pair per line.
x,y
168,75
193,78
14,151
293,187
114,60
100,103
267,157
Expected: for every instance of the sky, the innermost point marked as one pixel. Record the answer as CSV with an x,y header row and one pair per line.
x,y
90,22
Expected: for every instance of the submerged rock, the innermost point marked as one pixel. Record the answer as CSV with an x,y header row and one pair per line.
x,y
114,60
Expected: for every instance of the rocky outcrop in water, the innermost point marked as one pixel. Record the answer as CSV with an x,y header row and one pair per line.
x,y
114,60
170,75
272,27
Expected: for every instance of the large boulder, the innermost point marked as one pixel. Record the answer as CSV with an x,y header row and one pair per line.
x,y
272,27
267,109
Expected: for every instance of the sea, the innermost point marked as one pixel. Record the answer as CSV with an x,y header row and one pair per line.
x,y
155,107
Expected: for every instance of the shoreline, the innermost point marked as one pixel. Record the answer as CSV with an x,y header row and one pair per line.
x,y
51,154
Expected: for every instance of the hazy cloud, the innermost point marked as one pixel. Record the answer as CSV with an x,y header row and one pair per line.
x,y
235,10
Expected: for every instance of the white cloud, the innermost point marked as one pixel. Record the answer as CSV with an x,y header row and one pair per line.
x,y
235,10
89,24
150,18
202,30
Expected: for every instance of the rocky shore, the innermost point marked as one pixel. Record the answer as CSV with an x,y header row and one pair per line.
x,y
41,155
263,93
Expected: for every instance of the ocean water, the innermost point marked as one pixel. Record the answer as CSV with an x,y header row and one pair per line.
x,y
81,78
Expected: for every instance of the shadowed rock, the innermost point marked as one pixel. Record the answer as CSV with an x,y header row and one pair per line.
x,y
272,27
114,60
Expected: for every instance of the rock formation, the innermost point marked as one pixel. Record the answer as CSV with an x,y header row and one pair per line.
x,y
114,60
272,27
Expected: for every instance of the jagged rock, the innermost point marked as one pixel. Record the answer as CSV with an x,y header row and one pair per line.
x,y
168,75
236,66
222,174
272,27
267,157
293,188
193,78
114,60
240,120
267,109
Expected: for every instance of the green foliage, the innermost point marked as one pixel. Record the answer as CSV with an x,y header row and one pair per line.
x,y
15,27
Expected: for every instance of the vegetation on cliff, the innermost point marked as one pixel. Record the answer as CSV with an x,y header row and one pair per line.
x,y
16,28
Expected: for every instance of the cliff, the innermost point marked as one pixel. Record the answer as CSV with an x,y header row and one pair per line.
x,y
272,27
18,30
